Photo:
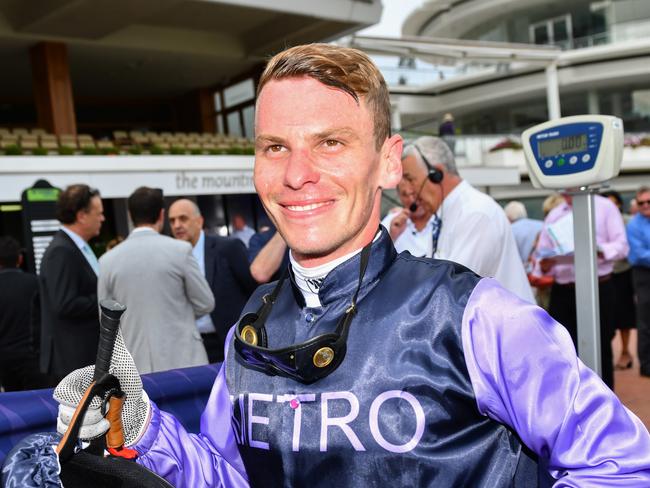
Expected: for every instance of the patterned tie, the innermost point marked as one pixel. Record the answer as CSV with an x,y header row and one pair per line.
x,y
91,258
435,234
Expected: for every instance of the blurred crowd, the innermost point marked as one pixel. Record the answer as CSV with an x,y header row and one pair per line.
x,y
443,216
183,292
623,262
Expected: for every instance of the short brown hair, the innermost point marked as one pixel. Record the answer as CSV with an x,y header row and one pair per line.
x,y
344,68
73,199
145,204
641,191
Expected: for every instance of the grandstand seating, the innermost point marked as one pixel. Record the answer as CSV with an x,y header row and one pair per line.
x,y
17,141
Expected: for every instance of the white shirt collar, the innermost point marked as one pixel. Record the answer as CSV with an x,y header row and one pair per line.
x,y
76,238
143,228
425,230
309,280
453,195
200,243
198,251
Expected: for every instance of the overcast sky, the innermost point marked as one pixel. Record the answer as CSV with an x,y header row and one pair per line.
x,y
392,17
390,25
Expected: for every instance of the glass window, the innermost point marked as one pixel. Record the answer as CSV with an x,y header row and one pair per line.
x,y
249,121
641,102
560,30
234,124
239,93
219,124
541,34
557,30
217,101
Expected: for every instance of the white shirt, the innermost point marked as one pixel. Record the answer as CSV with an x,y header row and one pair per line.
x,y
417,242
309,280
203,323
243,235
476,233
81,244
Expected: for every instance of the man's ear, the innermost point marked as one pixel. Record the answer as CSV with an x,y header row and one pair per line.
x,y
160,222
391,161
80,216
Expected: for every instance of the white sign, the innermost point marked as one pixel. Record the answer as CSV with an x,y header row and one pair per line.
x,y
118,176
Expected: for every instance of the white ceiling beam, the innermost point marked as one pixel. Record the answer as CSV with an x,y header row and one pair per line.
x,y
452,48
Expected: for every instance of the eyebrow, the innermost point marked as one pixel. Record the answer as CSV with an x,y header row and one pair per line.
x,y
264,139
337,131
326,134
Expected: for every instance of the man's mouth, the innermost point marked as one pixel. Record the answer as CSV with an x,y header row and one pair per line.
x,y
306,208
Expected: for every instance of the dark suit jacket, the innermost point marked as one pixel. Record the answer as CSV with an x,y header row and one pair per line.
x,y
227,271
18,290
69,311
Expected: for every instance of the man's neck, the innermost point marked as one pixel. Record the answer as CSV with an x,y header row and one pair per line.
x,y
77,230
421,222
450,182
153,227
195,241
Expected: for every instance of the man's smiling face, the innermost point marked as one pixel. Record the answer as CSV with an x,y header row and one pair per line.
x,y
318,171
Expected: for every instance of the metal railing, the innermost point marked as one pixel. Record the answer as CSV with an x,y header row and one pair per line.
x,y
492,149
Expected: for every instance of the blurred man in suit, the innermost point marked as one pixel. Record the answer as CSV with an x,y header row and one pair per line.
x,y
160,282
18,321
68,285
224,263
241,230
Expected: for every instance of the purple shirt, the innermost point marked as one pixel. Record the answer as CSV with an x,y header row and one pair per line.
x,y
610,239
562,411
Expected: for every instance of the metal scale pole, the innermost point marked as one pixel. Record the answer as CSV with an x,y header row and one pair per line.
x,y
584,237
586,267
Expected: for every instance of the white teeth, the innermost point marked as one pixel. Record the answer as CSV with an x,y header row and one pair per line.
x,y
304,208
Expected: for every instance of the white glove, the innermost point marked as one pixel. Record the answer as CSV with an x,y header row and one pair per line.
x,y
136,408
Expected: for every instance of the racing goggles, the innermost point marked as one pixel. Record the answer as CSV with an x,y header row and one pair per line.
x,y
305,362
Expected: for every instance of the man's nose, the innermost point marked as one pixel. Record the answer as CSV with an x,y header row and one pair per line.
x,y
300,169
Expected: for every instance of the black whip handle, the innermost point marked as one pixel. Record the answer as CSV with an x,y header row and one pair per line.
x,y
109,324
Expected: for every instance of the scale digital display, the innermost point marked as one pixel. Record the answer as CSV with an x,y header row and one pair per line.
x,y
573,151
562,145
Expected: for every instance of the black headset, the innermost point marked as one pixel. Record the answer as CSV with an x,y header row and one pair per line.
x,y
435,175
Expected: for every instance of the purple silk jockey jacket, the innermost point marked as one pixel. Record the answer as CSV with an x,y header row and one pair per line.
x,y
449,380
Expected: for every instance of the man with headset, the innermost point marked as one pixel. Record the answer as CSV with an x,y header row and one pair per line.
x,y
473,229
361,367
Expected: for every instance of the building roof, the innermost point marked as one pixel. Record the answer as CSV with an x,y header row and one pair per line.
x,y
165,47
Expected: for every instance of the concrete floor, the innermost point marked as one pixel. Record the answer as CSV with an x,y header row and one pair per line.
x,y
632,388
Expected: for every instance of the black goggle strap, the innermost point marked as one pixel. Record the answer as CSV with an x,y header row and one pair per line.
x,y
269,299
265,309
344,325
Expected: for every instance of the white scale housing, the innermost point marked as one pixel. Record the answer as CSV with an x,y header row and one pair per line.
x,y
574,151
